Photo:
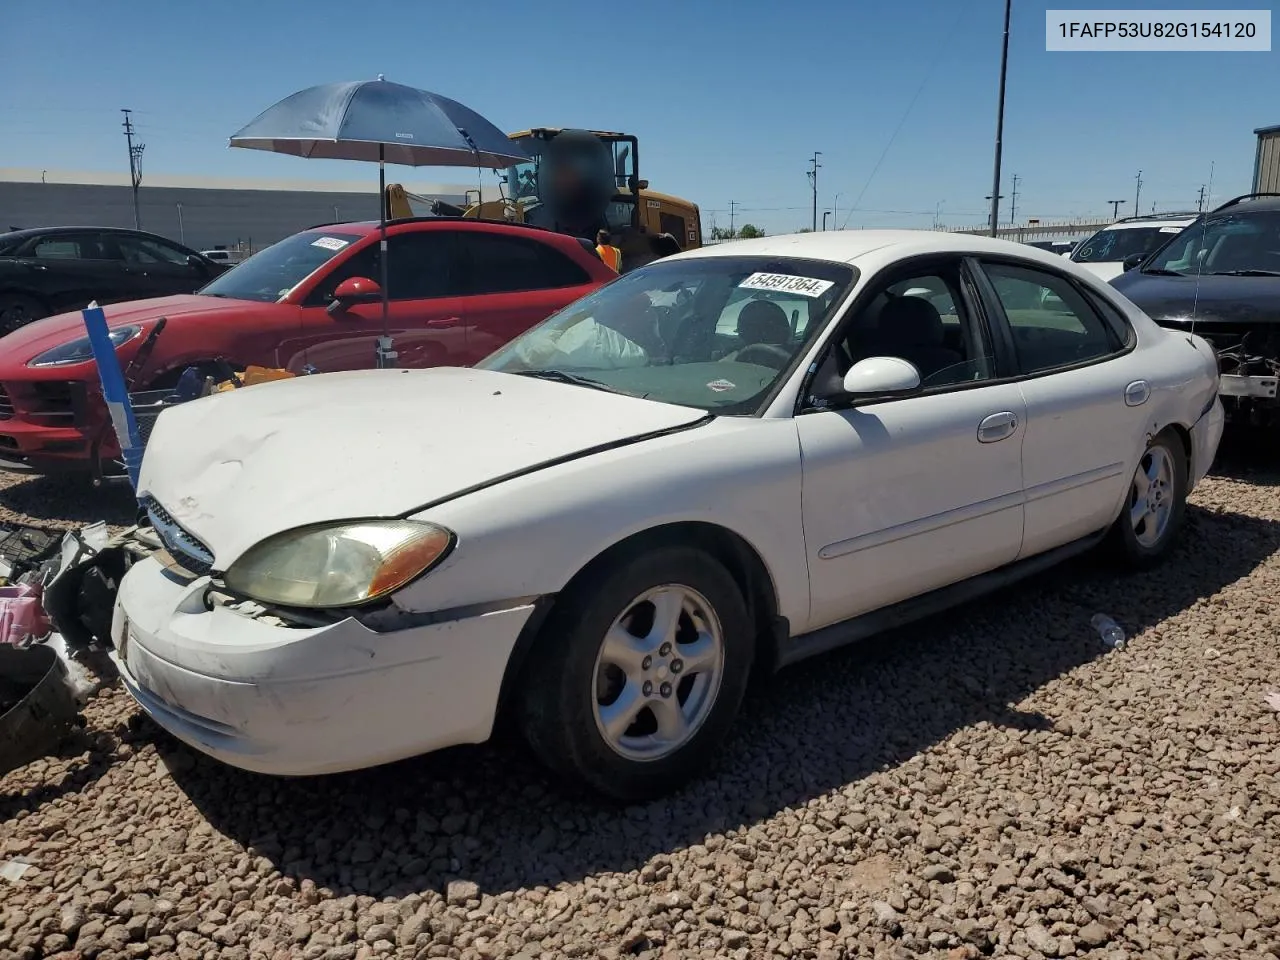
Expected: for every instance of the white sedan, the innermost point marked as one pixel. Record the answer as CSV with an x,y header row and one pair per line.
x,y
744,454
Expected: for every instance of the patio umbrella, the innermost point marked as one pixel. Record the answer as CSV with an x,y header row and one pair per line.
x,y
383,121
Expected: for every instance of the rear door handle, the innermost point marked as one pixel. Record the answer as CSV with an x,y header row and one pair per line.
x,y
998,426
444,322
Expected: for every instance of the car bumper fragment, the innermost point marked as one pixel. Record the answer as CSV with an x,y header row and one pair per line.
x,y
301,701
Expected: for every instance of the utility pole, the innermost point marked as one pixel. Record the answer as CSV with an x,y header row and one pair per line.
x,y
1200,200
1137,192
813,179
135,164
732,204
1115,208
1004,69
994,201
1013,200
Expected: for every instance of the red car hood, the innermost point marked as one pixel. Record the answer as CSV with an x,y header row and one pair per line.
x,y
30,341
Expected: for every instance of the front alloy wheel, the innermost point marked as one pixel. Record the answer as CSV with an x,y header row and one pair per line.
x,y
638,673
658,673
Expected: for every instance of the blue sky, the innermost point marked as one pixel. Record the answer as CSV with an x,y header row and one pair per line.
x,y
729,99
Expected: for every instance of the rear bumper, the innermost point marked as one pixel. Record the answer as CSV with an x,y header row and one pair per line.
x,y
1206,434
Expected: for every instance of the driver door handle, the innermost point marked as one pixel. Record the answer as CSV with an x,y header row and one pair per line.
x,y
438,322
998,426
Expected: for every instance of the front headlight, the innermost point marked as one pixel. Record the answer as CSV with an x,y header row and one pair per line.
x,y
340,564
78,351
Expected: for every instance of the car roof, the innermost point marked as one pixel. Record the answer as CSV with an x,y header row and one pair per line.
x,y
1152,223
1250,203
53,231
368,227
847,246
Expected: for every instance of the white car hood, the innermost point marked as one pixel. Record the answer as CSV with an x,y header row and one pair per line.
x,y
240,466
1106,270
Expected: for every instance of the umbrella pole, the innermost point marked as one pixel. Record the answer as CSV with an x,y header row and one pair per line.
x,y
384,354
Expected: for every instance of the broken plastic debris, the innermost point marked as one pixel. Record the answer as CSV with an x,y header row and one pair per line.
x,y
1272,698
12,870
1111,633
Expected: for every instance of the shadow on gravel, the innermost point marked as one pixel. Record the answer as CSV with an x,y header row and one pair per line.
x,y
101,747
69,501
1249,454
489,815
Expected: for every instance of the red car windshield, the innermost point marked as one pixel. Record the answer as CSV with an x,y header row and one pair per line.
x,y
271,273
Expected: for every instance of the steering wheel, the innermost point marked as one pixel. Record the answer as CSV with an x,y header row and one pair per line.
x,y
762,355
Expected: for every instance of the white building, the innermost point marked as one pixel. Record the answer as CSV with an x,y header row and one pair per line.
x,y
202,212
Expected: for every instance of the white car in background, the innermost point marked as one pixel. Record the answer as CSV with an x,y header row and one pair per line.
x,y
741,455
1130,239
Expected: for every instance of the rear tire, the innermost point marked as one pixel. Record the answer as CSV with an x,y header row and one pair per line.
x,y
638,673
1154,509
17,310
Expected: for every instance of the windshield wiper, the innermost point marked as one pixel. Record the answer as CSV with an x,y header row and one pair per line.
x,y
1244,273
560,376
1162,272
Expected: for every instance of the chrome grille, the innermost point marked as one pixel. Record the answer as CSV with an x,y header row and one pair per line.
x,y
186,549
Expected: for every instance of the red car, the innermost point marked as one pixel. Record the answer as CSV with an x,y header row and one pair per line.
x,y
459,289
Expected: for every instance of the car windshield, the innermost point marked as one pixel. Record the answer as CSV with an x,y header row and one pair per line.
x,y
1114,244
273,271
1240,243
716,333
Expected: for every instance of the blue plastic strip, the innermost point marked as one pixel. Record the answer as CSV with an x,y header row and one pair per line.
x,y
113,391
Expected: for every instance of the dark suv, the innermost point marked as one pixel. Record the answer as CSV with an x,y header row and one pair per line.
x,y
49,270
1221,276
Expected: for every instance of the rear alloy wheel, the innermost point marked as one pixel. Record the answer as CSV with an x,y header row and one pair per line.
x,y
17,311
638,674
1153,512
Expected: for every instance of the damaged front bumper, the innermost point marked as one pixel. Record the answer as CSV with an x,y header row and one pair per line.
x,y
1249,372
271,697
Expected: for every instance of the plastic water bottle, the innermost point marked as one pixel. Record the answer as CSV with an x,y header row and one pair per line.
x,y
1111,632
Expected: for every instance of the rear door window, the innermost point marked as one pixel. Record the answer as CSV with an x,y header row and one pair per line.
x,y
498,263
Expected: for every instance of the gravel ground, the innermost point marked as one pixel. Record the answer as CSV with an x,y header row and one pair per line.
x,y
991,782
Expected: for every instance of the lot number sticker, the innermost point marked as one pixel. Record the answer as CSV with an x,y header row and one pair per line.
x,y
329,243
786,283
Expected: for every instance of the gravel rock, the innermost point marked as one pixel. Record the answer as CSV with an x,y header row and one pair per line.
x,y
988,783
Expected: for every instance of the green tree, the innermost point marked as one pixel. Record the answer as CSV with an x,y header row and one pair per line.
x,y
723,233
750,231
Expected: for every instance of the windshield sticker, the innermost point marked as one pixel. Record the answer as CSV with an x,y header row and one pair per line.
x,y
720,386
786,283
1170,229
330,243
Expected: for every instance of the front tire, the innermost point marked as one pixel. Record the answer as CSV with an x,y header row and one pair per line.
x,y
17,310
638,674
1155,507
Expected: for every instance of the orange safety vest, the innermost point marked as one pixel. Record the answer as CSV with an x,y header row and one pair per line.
x,y
612,256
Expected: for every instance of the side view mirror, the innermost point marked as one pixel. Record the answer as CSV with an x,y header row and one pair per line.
x,y
1133,260
197,262
643,184
882,377
351,291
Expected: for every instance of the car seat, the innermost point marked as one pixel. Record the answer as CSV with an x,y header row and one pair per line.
x,y
911,328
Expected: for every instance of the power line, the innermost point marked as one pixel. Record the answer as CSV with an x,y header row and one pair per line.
x,y
944,46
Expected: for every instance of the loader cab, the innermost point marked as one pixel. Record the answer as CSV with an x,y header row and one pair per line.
x,y
604,169
611,170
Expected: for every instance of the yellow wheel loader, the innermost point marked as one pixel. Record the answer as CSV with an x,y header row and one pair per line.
x,y
578,182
